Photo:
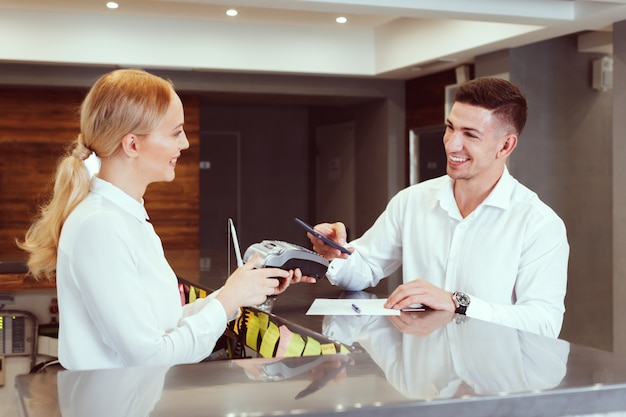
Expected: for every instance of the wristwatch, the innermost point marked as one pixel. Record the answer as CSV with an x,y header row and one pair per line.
x,y
461,300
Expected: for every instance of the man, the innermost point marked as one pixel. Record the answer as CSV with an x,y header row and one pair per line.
x,y
474,241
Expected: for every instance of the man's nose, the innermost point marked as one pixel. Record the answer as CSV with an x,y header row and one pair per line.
x,y
453,142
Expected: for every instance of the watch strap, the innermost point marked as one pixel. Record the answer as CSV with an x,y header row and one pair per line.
x,y
461,301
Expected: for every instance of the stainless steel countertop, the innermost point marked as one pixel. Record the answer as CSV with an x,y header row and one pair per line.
x,y
426,364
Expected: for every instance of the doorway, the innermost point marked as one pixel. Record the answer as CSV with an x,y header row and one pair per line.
x,y
335,175
426,153
220,178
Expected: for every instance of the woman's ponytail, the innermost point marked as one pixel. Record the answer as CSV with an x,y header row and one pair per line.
x,y
71,186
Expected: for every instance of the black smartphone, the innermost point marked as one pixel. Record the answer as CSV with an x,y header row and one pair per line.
x,y
320,236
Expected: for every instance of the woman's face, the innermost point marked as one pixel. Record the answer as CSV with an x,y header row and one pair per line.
x,y
159,150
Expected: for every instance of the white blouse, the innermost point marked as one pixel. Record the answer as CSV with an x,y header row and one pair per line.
x,y
119,303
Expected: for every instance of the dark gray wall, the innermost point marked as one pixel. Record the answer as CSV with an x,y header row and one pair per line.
x,y
619,186
564,155
274,169
277,169
379,153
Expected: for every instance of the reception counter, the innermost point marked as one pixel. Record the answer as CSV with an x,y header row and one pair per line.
x,y
421,363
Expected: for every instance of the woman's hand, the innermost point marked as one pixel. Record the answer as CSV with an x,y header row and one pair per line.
x,y
295,278
249,285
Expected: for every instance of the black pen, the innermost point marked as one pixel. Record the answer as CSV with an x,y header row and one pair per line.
x,y
356,308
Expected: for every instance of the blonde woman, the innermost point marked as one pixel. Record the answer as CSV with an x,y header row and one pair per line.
x,y
119,304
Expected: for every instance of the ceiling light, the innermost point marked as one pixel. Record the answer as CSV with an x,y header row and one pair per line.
x,y
112,5
232,12
341,19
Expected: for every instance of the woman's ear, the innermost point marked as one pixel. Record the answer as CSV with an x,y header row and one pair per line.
x,y
129,144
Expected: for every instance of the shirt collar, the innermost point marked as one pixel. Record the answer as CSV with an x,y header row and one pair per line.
x,y
119,198
500,196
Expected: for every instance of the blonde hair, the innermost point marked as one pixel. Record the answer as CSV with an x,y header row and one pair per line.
x,y
120,102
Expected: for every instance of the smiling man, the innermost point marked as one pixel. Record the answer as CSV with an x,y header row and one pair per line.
x,y
474,241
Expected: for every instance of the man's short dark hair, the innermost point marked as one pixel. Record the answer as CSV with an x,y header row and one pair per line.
x,y
502,97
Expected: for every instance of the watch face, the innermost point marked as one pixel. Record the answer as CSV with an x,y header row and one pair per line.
x,y
462,298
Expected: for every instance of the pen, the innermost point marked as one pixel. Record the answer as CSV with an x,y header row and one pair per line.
x,y
356,308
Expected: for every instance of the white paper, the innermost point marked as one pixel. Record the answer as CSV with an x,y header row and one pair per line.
x,y
344,307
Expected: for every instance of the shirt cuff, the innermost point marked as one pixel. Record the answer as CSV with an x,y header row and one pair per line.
x,y
335,267
479,309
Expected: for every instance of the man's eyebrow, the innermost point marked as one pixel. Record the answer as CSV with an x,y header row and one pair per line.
x,y
467,129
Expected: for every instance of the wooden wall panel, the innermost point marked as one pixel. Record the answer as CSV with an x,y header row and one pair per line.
x,y
425,99
37,124
35,127
174,207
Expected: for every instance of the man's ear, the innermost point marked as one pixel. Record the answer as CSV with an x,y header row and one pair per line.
x,y
510,142
129,145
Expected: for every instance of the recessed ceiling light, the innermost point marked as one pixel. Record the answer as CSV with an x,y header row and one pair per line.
x,y
112,5
232,12
341,19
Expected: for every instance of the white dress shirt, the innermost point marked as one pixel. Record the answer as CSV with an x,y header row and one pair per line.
x,y
119,303
510,254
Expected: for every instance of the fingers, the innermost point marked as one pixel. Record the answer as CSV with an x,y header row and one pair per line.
x,y
297,276
414,292
284,283
395,297
422,292
252,262
275,273
335,232
325,250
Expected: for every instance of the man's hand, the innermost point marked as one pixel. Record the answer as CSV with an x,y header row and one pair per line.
x,y
421,323
420,292
335,232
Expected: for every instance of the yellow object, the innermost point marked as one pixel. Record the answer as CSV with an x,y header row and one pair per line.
x,y
328,349
312,347
252,332
269,341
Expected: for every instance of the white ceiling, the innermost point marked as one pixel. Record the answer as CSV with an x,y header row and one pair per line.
x,y
383,38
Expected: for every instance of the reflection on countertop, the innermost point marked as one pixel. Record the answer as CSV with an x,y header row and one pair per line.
x,y
437,355
463,368
424,363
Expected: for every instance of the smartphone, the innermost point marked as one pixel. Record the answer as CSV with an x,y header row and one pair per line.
x,y
323,238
